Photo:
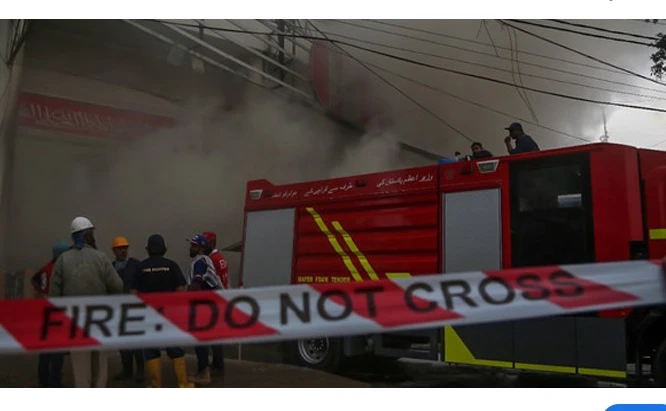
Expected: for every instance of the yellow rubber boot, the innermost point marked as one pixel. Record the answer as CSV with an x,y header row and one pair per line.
x,y
181,373
153,370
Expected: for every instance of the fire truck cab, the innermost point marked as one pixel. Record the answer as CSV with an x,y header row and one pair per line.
x,y
593,203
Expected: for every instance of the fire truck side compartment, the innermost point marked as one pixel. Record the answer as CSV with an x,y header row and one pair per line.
x,y
471,241
268,248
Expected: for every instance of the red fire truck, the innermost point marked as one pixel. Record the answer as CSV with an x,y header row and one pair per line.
x,y
593,203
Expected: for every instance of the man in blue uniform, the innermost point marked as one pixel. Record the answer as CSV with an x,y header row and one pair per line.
x,y
158,274
203,277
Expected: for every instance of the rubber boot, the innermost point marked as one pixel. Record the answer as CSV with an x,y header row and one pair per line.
x,y
153,369
181,372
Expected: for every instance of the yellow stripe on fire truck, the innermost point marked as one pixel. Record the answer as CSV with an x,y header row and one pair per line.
x,y
334,243
352,246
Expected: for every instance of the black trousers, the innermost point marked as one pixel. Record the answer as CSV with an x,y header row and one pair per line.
x,y
202,356
50,370
129,357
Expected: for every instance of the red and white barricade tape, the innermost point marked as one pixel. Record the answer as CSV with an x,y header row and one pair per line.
x,y
300,311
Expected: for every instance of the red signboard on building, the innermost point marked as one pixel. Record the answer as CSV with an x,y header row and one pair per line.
x,y
84,119
344,87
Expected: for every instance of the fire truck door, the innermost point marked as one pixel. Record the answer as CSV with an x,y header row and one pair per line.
x,y
268,248
471,241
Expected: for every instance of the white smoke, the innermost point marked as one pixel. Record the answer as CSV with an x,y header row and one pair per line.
x,y
185,180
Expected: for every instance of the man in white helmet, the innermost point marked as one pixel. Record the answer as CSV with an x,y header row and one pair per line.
x,y
85,271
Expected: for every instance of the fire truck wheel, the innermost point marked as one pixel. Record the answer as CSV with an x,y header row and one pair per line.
x,y
320,353
659,365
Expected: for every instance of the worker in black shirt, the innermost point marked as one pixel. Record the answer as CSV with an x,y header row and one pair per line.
x,y
153,275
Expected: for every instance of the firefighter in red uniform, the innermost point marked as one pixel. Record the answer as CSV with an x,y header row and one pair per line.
x,y
222,271
50,364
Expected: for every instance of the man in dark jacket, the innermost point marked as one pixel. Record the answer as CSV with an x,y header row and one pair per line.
x,y
124,264
524,143
479,152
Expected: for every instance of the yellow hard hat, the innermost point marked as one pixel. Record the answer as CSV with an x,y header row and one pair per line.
x,y
119,242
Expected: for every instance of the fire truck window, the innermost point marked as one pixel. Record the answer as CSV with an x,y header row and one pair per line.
x,y
551,220
550,187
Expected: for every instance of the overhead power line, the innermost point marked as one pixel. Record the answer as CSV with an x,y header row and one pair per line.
x,y
434,33
582,54
398,89
485,107
368,64
423,64
623,33
444,69
438,56
442,57
213,62
582,33
444,92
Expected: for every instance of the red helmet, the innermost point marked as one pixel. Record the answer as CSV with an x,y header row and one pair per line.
x,y
209,236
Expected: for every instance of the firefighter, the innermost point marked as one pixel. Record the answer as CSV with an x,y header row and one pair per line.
x,y
153,275
85,271
50,364
222,271
124,264
202,276
219,262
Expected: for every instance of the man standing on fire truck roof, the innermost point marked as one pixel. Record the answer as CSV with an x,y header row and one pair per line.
x,y
524,143
158,274
203,277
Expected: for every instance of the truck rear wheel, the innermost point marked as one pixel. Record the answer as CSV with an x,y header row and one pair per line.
x,y
321,353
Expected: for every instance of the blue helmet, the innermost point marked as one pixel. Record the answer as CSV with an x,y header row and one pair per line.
x,y
60,247
199,240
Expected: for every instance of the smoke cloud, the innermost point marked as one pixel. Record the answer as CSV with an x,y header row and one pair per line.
x,y
184,180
